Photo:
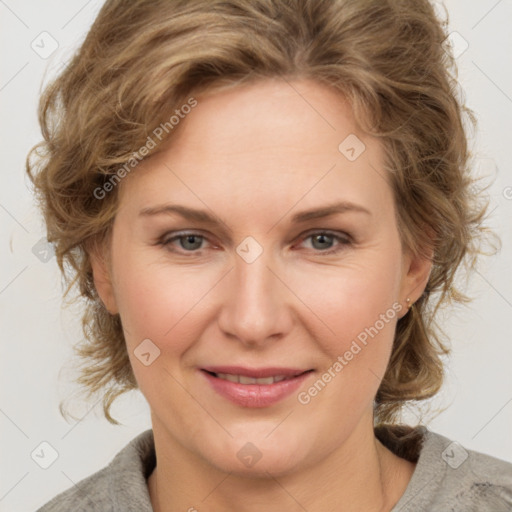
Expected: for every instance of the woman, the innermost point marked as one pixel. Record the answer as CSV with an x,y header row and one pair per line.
x,y
264,203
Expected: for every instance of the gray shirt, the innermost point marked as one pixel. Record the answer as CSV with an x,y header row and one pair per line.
x,y
447,478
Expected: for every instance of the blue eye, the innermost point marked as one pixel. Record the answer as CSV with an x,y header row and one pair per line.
x,y
324,237
190,242
322,242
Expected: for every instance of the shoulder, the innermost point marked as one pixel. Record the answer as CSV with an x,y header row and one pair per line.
x,y
119,486
469,479
89,494
449,477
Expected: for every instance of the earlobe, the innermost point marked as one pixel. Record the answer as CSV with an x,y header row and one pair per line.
x,y
103,279
416,276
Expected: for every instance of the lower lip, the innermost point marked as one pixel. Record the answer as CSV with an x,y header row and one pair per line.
x,y
255,395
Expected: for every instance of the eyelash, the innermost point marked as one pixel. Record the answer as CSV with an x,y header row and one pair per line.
x,y
343,240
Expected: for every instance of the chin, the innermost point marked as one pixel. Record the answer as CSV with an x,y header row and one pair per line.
x,y
259,457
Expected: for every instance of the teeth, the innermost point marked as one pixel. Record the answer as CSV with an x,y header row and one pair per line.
x,y
249,380
242,379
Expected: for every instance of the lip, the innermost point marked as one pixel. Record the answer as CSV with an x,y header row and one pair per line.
x,y
255,395
256,373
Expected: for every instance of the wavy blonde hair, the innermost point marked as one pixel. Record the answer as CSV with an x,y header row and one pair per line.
x,y
142,59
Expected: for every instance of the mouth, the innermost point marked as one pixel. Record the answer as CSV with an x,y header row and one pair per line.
x,y
255,387
262,381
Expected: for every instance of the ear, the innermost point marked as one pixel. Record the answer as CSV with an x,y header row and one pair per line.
x,y
102,276
415,275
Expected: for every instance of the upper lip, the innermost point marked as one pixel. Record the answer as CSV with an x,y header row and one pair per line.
x,y
256,373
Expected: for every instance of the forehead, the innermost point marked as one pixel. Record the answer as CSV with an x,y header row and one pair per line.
x,y
247,118
261,142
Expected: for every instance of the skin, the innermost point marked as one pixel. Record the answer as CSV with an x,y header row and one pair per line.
x,y
253,156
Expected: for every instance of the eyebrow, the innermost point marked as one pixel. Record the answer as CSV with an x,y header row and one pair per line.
x,y
206,218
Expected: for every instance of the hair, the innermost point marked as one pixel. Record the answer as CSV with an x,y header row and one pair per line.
x,y
142,60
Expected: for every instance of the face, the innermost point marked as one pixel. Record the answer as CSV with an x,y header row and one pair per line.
x,y
261,286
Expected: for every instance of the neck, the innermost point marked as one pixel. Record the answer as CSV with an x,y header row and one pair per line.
x,y
361,474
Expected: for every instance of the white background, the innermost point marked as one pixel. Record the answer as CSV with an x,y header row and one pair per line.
x,y
37,336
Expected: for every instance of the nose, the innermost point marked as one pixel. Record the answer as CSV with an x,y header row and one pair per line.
x,y
256,305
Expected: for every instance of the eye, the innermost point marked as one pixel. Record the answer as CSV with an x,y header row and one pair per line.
x,y
323,241
188,241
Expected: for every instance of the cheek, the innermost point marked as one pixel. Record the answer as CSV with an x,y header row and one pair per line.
x,y
348,300
160,302
164,306
356,311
